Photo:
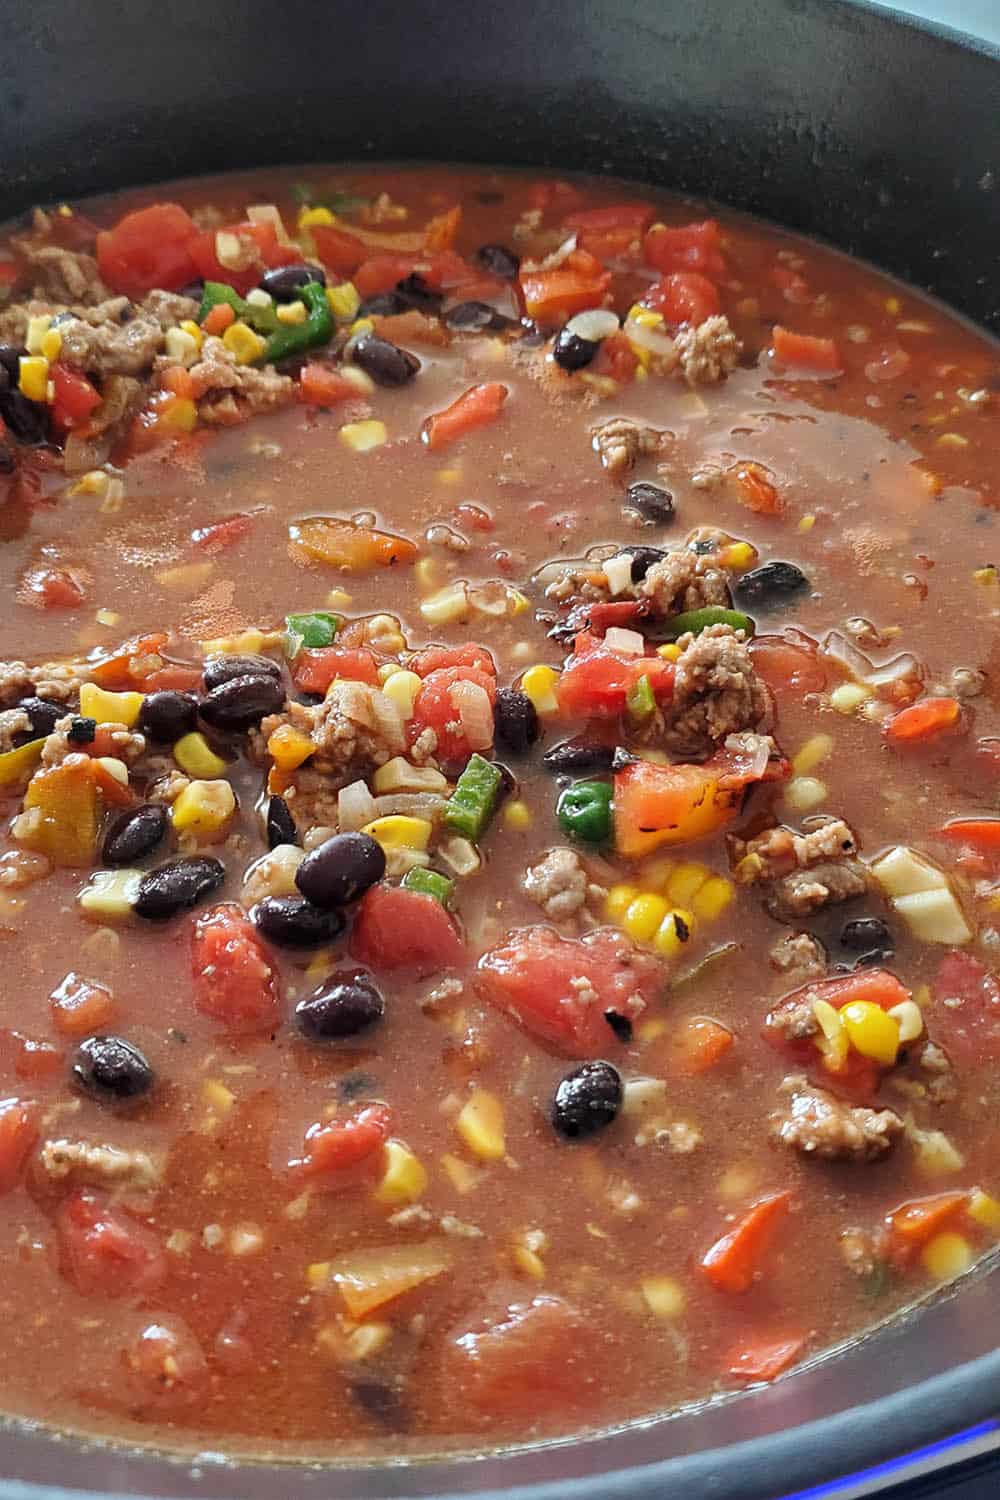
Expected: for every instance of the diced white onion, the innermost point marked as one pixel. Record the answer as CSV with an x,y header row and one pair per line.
x,y
647,337
554,259
408,805
355,807
595,324
897,670
460,855
910,1020
267,213
629,641
475,712
618,572
230,250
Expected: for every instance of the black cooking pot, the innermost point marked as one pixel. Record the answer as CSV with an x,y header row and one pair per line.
x,y
879,135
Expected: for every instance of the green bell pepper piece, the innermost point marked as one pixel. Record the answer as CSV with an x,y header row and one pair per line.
x,y
472,803
216,292
584,811
430,883
639,699
297,338
697,620
312,631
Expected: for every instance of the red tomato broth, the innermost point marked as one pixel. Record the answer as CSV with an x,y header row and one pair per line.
x,y
888,523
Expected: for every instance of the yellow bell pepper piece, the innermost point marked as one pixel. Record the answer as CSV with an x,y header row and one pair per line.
x,y
289,747
405,1177
15,765
481,1126
60,819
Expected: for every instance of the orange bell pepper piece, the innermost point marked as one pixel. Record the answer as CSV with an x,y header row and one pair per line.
x,y
476,407
657,805
923,720
343,544
732,1262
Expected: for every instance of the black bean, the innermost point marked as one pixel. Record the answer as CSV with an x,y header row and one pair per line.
x,y
220,669
341,869
135,833
386,363
111,1069
285,282
27,420
81,731
382,305
653,503
866,932
242,701
499,260
10,354
177,885
578,755
515,721
475,316
293,922
340,1008
587,1099
643,559
8,463
771,583
279,823
167,715
43,713
415,292
571,352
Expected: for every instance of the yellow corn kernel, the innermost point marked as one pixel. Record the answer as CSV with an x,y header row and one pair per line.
x,y
670,652
362,325
243,343
180,346
893,306
806,523
812,753
363,436
528,1262
179,414
849,696
343,301
803,793
517,603
318,215
984,1209
109,895
288,747
52,344
663,1295
619,899
402,687
203,807
191,328
107,616
517,816
449,476
481,1126
987,575
947,1256
448,606
109,708
34,336
871,1031
216,1097
400,832
196,757
292,313
738,556
539,684
910,1020
833,1040
460,1174
33,377
673,932
427,573
251,641
318,1275
711,899
404,1179
644,916
684,880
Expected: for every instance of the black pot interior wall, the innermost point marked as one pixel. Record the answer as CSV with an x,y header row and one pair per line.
x,y
833,118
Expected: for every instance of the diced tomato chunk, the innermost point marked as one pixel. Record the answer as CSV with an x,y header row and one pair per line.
x,y
167,1359
443,268
335,1151
104,1251
763,1356
74,399
597,679
913,1224
52,588
532,1359
924,721
322,385
734,1260
235,981
80,1007
686,247
789,664
617,359
440,658
18,1134
535,977
314,670
338,249
263,251
611,216
149,248
805,352
580,282
699,1045
28,1057
966,1016
434,708
684,297
398,929
477,407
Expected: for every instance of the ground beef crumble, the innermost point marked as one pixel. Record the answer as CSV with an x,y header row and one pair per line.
x,y
716,693
801,872
707,353
621,443
799,957
560,885
819,1124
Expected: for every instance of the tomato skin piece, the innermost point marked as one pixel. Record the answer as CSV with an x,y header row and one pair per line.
x,y
167,1361
103,1251
968,1026
686,247
75,398
805,353
440,658
530,977
396,928
52,588
596,681
29,1057
684,297
314,670
148,248
433,708
733,1261
637,216
80,1007
533,1359
789,666
18,1134
234,980
701,1044
337,1150
763,1356
982,834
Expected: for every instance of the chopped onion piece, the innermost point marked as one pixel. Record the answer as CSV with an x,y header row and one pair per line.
x,y
355,807
595,324
910,1020
230,251
839,649
897,670
472,703
460,855
409,805
554,259
653,339
629,641
618,572
267,213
